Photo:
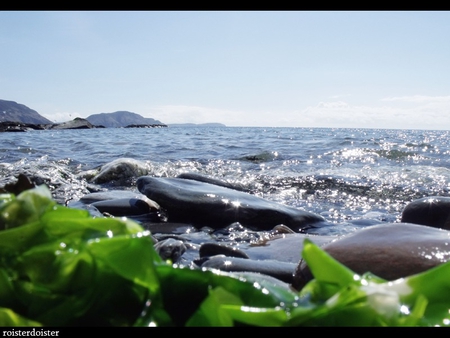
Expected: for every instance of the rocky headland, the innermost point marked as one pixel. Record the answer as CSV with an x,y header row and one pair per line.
x,y
15,117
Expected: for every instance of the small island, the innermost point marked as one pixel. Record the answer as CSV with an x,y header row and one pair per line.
x,y
16,117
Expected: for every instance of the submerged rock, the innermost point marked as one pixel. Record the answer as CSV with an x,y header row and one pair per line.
x,y
205,204
171,249
389,251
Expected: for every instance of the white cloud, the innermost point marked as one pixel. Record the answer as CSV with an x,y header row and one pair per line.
x,y
407,112
426,113
418,98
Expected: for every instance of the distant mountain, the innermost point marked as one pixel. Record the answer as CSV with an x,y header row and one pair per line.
x,y
197,125
120,119
11,111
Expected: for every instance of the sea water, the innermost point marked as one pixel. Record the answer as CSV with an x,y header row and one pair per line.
x,y
352,177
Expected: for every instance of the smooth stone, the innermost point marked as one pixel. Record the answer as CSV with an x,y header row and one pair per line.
x,y
171,249
213,249
390,251
122,203
114,194
205,204
261,279
125,207
169,228
287,248
206,179
431,211
280,270
120,170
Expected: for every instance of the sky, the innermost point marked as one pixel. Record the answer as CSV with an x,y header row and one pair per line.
x,y
342,69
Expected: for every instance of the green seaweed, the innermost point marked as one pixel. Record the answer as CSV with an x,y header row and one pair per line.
x,y
61,267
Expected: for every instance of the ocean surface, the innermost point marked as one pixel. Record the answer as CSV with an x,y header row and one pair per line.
x,y
352,177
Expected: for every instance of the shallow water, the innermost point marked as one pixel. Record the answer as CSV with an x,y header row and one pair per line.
x,y
352,177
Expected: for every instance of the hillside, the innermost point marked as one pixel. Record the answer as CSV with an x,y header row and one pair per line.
x,y
120,119
11,111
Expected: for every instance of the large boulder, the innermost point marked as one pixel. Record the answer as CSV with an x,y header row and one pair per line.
x,y
390,251
432,211
206,179
205,204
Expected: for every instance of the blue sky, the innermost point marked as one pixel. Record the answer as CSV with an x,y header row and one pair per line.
x,y
367,69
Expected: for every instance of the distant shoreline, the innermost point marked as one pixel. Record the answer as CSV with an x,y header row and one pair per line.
x,y
196,125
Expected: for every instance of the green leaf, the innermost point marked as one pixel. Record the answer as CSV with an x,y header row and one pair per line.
x,y
211,311
9,318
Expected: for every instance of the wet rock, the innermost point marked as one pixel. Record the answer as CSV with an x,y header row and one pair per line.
x,y
169,228
125,207
206,179
205,204
286,248
113,195
261,279
390,251
23,183
213,249
14,126
280,270
120,171
123,203
171,249
431,211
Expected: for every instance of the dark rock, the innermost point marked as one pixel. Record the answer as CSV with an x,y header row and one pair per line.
x,y
170,249
204,204
123,203
390,251
125,207
280,270
169,228
432,211
23,183
214,249
112,195
206,179
20,127
77,123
